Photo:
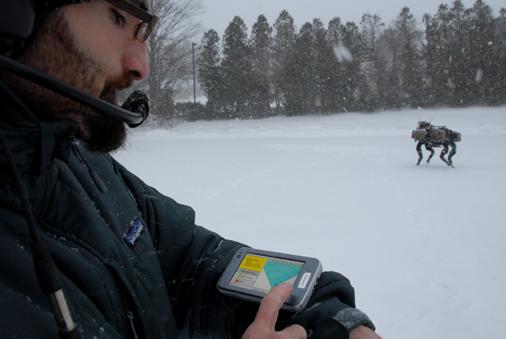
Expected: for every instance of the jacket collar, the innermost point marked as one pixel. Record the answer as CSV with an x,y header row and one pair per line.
x,y
33,143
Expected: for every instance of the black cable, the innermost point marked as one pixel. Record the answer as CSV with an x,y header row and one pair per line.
x,y
133,119
43,262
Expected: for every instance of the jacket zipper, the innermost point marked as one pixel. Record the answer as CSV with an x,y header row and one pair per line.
x,y
102,187
130,316
94,175
97,263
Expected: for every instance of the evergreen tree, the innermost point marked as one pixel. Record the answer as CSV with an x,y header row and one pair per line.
x,y
261,42
410,65
324,65
460,71
283,47
351,53
498,90
482,40
389,47
336,94
438,55
299,74
210,79
236,69
374,65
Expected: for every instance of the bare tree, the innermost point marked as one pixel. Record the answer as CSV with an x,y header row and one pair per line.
x,y
170,53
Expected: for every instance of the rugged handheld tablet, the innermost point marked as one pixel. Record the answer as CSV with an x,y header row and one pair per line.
x,y
252,273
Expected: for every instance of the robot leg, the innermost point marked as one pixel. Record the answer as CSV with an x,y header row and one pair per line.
x,y
453,151
443,153
419,150
431,150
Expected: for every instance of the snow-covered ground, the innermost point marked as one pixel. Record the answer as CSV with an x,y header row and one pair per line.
x,y
425,247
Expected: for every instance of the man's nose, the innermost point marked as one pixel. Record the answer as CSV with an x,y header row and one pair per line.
x,y
135,59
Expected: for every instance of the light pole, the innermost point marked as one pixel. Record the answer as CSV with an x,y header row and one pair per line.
x,y
194,87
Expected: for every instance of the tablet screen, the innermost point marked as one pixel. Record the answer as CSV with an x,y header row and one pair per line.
x,y
261,273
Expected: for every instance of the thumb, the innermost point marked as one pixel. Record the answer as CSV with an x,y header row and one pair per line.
x,y
293,332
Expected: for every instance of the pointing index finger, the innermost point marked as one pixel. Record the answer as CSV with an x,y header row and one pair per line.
x,y
271,304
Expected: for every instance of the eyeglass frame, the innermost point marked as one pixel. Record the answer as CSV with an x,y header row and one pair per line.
x,y
148,21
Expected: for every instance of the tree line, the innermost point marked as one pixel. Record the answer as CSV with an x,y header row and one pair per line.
x,y
457,57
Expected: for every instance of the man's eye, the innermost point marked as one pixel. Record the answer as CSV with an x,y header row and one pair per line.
x,y
118,18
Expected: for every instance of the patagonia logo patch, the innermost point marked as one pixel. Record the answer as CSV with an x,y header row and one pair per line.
x,y
133,231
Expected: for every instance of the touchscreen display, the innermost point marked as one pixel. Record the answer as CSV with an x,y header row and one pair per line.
x,y
260,273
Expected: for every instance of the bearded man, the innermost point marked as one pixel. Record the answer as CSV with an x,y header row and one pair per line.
x,y
131,262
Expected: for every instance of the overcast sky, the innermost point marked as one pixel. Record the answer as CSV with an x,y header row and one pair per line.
x,y
219,13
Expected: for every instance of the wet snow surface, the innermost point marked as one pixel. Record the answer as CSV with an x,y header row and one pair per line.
x,y
425,247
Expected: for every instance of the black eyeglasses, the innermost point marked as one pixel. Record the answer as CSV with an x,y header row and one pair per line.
x,y
148,21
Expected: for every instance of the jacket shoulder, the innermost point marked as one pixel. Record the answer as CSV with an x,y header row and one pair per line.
x,y
149,198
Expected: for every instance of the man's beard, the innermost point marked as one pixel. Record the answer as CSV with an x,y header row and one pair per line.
x,y
55,52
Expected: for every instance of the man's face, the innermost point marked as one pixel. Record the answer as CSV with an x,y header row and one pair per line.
x,y
92,47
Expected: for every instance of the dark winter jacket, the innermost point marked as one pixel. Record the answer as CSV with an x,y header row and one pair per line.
x,y
132,262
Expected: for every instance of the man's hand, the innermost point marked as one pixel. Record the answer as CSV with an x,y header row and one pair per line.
x,y
362,332
267,315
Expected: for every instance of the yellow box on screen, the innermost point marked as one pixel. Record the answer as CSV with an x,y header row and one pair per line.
x,y
253,263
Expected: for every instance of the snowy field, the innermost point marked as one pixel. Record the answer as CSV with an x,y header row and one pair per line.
x,y
425,247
